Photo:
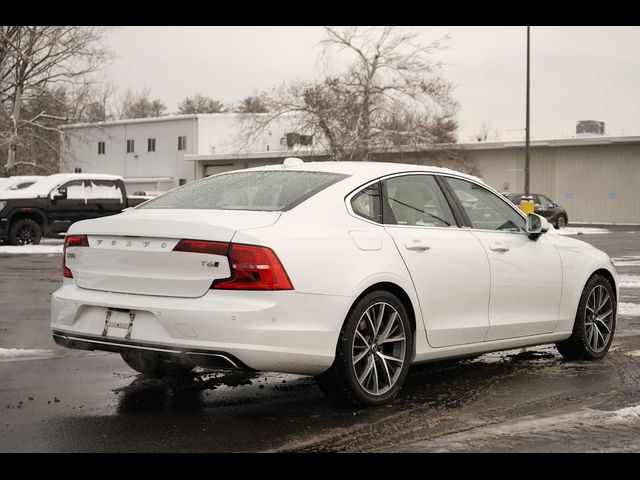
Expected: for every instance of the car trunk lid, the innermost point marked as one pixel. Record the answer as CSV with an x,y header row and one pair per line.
x,y
134,252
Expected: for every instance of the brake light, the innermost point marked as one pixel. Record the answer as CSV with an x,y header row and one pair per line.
x,y
201,246
72,241
254,268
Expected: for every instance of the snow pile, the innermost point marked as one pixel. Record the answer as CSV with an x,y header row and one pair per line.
x,y
629,309
630,261
626,414
46,247
21,353
629,281
579,231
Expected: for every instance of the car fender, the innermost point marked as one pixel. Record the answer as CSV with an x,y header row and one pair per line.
x,y
579,262
27,212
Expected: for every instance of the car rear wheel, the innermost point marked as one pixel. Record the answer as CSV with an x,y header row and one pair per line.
x,y
150,364
373,352
25,232
595,322
561,222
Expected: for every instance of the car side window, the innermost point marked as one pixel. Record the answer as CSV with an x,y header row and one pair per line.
x,y
485,210
544,200
416,200
104,190
76,190
366,203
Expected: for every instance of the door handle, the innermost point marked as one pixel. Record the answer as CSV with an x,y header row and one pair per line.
x,y
416,245
499,247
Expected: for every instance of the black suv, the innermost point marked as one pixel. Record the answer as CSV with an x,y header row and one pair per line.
x,y
554,213
51,205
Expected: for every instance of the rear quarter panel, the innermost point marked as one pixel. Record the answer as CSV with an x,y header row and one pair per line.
x,y
330,252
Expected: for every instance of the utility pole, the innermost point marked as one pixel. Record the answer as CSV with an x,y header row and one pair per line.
x,y
527,164
526,202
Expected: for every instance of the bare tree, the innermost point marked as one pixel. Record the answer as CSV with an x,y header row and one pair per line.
x,y
486,132
140,105
33,61
393,93
200,104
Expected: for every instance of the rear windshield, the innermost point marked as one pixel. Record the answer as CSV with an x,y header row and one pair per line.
x,y
268,191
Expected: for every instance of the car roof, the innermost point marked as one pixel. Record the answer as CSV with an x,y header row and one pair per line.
x,y
46,184
364,168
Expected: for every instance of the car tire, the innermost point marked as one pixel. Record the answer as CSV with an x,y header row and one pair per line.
x,y
561,222
592,330
25,232
150,364
373,354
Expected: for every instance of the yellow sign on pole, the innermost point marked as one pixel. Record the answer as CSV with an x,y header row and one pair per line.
x,y
527,206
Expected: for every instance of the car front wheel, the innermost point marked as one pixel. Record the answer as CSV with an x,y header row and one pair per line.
x,y
373,353
595,322
561,222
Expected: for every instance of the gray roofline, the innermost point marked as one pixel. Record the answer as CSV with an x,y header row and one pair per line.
x,y
565,142
557,142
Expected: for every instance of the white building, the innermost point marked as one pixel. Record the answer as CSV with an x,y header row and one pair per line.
x,y
156,154
597,178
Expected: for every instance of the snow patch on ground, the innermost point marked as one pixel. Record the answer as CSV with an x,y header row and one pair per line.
x,y
635,353
629,281
629,309
579,231
22,353
630,261
49,246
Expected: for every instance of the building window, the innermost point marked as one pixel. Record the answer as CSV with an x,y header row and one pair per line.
x,y
151,144
101,148
130,146
79,170
182,143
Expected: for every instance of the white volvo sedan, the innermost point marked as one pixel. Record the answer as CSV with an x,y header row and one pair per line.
x,y
347,271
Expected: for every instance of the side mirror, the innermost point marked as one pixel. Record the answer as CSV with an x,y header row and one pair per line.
x,y
536,226
61,194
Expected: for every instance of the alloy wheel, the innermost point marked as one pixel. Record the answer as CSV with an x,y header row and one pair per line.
x,y
378,348
25,235
598,318
561,222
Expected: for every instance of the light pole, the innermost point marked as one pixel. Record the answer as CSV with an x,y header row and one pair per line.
x,y
526,203
528,130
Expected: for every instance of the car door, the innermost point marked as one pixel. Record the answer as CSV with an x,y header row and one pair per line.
x,y
447,264
526,275
66,211
104,197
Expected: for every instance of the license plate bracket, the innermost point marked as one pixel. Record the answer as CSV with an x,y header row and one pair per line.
x,y
118,323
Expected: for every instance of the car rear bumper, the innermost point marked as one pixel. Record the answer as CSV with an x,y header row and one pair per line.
x,y
282,331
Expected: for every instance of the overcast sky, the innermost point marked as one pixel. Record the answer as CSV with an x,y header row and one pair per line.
x,y
577,73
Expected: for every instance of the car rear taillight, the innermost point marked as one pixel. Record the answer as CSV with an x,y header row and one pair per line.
x,y
72,241
201,246
254,268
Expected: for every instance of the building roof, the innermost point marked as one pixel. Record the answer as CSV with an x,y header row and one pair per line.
x,y
558,142
164,118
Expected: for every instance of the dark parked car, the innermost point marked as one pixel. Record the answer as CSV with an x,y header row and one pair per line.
x,y
51,205
554,213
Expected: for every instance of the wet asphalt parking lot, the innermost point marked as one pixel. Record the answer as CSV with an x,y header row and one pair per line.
x,y
525,400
